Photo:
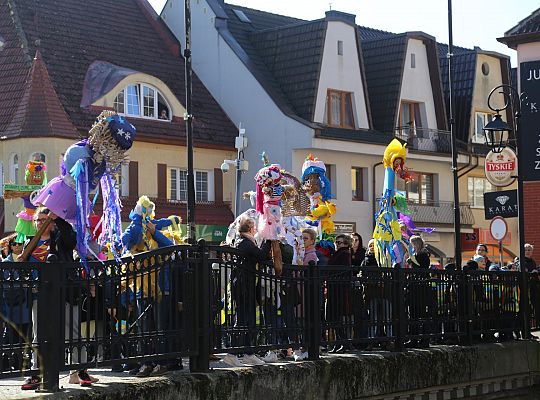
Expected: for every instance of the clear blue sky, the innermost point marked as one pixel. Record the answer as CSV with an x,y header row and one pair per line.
x,y
476,22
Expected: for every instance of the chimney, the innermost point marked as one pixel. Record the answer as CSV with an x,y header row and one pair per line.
x,y
334,15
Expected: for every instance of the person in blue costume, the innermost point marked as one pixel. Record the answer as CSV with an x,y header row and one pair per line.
x,y
144,234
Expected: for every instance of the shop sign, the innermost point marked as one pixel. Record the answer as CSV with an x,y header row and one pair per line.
x,y
501,168
529,123
501,204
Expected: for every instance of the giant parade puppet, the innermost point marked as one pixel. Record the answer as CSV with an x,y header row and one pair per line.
x,y
90,165
317,187
35,177
389,247
280,205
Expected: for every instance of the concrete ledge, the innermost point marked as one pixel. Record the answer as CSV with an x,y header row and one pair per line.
x,y
468,371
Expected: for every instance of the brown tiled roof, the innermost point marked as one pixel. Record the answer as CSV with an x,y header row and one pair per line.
x,y
14,63
73,34
526,31
39,113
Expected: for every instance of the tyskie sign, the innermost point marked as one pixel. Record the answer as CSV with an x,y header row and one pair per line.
x,y
501,204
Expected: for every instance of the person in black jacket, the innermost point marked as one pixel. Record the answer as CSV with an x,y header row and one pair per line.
x,y
244,283
56,244
422,297
357,249
338,296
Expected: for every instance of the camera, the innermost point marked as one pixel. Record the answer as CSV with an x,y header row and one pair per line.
x,y
225,167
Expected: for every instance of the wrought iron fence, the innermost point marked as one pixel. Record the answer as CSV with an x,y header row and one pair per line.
x,y
192,301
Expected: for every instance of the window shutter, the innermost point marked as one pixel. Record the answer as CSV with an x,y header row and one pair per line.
x,y
133,179
162,181
218,185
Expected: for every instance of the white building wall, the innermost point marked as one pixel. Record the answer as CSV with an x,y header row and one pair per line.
x,y
341,72
416,85
237,91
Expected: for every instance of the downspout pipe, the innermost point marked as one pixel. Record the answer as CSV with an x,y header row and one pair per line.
x,y
468,169
374,195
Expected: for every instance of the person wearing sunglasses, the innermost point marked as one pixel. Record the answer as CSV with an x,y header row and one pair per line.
x,y
337,292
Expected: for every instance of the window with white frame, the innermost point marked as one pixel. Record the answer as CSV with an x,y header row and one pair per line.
x,y
204,189
476,189
482,118
14,169
142,100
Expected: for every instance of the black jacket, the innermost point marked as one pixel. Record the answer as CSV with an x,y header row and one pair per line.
x,y
422,259
253,253
369,260
358,256
63,241
341,257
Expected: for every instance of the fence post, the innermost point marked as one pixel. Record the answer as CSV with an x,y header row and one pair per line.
x,y
399,307
201,362
50,327
467,306
313,311
524,302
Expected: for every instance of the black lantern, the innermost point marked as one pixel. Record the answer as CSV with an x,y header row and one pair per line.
x,y
497,133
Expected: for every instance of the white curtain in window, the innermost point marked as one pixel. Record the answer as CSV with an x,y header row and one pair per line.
x,y
133,106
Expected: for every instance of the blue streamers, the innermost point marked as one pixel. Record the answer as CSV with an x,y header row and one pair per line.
x,y
112,221
79,172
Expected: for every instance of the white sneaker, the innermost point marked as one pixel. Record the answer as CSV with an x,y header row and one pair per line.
x,y
252,359
300,356
232,360
270,357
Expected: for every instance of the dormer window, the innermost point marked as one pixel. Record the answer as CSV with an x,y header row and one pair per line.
x,y
143,101
339,109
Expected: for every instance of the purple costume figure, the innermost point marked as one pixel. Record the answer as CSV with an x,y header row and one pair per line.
x,y
86,164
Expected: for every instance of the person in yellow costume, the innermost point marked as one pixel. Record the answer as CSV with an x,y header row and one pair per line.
x,y
387,232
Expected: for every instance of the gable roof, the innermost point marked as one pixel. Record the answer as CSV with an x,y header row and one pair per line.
x,y
527,30
293,55
284,54
40,113
15,62
73,34
384,59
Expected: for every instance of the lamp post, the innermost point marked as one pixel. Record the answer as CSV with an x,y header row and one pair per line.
x,y
497,136
188,117
455,176
240,164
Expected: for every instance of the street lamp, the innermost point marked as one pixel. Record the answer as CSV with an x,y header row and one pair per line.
x,y
497,135
240,164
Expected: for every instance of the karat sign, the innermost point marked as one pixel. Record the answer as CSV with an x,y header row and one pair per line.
x,y
501,204
501,168
529,126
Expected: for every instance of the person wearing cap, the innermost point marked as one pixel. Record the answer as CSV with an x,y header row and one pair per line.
x,y
482,250
480,261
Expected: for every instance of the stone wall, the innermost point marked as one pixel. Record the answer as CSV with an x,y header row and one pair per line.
x,y
443,369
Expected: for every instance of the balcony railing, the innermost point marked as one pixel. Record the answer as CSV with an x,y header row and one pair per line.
x,y
439,212
425,139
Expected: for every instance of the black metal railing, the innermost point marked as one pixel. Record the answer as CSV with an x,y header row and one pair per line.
x,y
425,139
192,301
437,211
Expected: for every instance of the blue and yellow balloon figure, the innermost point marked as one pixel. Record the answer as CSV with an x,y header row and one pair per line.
x,y
387,232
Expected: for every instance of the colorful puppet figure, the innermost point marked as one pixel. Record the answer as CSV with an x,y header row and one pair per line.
x,y
317,187
268,204
86,164
138,236
35,176
387,232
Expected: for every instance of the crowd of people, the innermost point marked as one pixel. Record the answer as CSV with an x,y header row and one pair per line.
x,y
360,307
